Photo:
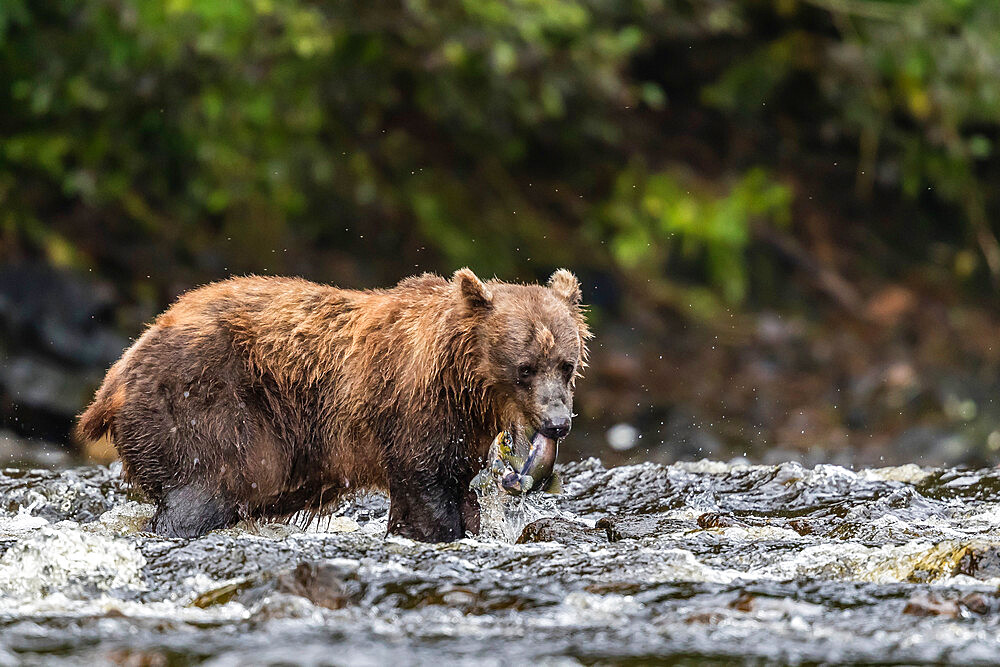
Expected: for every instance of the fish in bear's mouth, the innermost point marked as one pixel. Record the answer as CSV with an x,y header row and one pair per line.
x,y
518,474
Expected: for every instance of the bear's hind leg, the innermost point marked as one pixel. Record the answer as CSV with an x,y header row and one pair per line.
x,y
191,511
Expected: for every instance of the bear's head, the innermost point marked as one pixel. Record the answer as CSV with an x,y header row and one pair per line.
x,y
532,343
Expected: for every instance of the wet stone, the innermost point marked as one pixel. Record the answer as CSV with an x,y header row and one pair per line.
x,y
718,520
327,584
625,527
331,584
708,617
981,562
554,529
801,526
743,602
934,604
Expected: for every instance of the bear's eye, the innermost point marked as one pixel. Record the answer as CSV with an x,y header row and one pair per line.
x,y
566,368
525,371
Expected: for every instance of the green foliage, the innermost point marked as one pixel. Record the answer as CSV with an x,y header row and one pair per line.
x,y
190,119
210,134
913,82
651,218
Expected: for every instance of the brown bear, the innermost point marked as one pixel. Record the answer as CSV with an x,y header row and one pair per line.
x,y
260,397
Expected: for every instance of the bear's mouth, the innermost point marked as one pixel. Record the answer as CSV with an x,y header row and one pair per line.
x,y
517,476
541,457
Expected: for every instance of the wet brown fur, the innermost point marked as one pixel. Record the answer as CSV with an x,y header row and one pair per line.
x,y
262,397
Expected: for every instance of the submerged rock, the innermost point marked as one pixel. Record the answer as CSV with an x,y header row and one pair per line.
x,y
327,584
981,561
554,529
627,527
924,603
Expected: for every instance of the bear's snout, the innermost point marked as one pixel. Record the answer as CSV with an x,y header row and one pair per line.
x,y
554,407
556,425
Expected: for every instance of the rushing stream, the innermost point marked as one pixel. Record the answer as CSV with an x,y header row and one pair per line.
x,y
694,562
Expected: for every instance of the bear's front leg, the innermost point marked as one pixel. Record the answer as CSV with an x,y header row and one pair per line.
x,y
470,511
426,507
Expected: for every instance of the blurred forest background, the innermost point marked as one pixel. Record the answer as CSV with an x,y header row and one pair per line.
x,y
784,213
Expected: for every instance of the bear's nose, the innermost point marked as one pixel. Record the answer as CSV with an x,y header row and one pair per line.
x,y
555,427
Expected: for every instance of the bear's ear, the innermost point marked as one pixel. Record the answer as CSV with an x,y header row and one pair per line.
x,y
472,289
566,286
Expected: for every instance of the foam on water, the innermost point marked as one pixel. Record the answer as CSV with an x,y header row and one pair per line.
x,y
64,559
910,473
21,523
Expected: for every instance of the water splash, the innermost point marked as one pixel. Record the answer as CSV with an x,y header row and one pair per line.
x,y
65,560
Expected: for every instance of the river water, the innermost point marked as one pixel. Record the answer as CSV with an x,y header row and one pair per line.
x,y
691,563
